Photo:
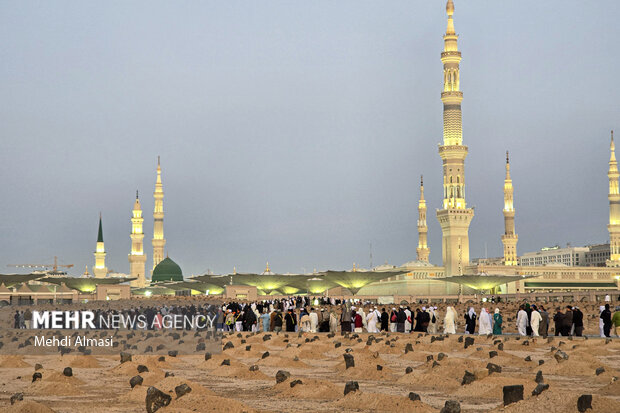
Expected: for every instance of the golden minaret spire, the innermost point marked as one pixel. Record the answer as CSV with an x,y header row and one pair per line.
x,y
99,269
510,238
454,217
137,258
158,219
614,208
423,251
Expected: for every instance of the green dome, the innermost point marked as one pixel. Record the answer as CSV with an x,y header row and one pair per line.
x,y
167,270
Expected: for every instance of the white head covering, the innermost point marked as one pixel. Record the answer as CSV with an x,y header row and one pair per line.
x,y
423,308
497,311
471,311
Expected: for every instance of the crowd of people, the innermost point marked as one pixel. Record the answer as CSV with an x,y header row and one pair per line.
x,y
323,314
301,314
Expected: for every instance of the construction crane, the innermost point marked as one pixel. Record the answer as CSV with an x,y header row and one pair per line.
x,y
54,266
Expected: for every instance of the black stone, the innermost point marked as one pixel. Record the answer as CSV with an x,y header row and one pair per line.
x,y
349,360
500,346
540,388
513,394
162,358
600,370
528,358
37,367
17,397
156,399
539,377
584,402
228,345
560,356
182,389
408,348
451,406
408,370
201,346
295,383
441,356
254,367
267,337
68,372
541,362
282,375
351,386
142,368
169,374
468,378
173,353
125,357
225,362
379,367
207,356
136,381
429,358
492,354
494,368
265,355
148,349
414,396
469,341
337,344
160,347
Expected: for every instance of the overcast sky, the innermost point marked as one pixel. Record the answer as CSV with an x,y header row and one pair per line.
x,y
295,132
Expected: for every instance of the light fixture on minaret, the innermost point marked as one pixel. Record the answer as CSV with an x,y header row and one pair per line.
x,y
158,219
454,217
422,251
614,208
137,258
99,269
510,238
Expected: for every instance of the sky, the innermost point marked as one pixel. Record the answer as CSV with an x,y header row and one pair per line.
x,y
296,132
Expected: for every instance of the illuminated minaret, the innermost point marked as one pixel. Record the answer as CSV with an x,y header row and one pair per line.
x,y
137,258
422,250
158,220
454,217
510,238
99,269
614,209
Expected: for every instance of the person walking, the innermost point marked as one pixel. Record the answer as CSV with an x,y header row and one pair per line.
x,y
522,321
615,321
535,319
449,321
606,317
497,323
470,321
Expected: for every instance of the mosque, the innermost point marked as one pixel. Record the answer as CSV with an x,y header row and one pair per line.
x,y
419,277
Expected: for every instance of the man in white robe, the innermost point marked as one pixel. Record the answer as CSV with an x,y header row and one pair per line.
x,y
371,322
408,321
484,323
522,321
314,320
535,320
449,321
432,324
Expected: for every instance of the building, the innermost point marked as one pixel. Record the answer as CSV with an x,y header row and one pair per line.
x,y
137,258
158,219
99,269
569,256
454,217
167,270
597,256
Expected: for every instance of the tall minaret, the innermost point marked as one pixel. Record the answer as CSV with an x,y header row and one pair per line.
x,y
137,258
158,220
454,217
422,250
510,238
614,209
99,269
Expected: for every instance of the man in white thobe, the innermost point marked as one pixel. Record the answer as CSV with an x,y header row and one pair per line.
x,y
522,321
314,320
535,320
484,323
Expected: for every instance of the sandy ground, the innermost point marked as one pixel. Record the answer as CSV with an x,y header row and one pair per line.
x,y
101,383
